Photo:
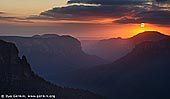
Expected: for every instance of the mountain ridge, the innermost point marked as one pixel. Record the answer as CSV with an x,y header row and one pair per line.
x,y
115,48
54,55
141,74
17,77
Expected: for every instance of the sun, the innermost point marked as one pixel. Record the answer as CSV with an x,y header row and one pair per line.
x,y
142,25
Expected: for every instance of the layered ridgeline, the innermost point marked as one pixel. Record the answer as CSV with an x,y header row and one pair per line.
x,y
114,48
141,74
53,56
16,77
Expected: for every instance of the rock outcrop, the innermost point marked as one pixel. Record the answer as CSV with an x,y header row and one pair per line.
x,y
17,77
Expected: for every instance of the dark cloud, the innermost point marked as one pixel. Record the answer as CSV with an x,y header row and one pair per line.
x,y
128,11
14,19
106,9
109,2
81,12
161,1
2,13
6,17
39,17
152,17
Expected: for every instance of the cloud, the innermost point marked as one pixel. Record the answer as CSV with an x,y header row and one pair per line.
x,y
10,19
106,9
2,13
6,17
162,1
109,2
126,11
84,12
81,12
152,17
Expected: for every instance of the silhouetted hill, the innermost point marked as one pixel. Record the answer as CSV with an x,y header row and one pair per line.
x,y
53,56
147,36
114,48
46,35
16,77
141,74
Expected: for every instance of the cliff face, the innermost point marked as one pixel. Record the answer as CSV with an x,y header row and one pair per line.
x,y
54,57
8,53
12,67
16,77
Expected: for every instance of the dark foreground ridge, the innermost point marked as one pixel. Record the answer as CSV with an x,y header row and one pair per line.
x,y
17,77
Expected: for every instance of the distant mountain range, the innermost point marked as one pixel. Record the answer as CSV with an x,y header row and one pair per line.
x,y
17,78
139,67
53,56
115,48
141,74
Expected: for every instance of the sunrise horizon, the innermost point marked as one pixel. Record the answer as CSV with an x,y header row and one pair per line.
x,y
85,37
76,18
85,49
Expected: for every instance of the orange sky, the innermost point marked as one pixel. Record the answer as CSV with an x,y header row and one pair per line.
x,y
94,28
78,29
132,29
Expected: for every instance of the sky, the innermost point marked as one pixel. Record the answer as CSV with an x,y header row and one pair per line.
x,y
28,7
84,18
